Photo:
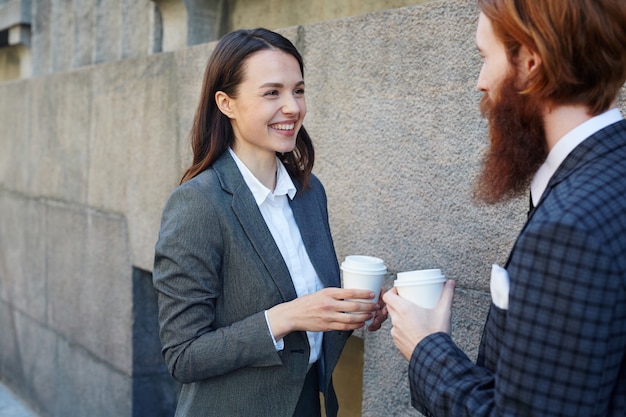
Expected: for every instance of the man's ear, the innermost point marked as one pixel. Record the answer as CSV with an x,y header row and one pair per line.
x,y
529,60
224,103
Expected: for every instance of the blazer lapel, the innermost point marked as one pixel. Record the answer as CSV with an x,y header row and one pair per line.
x,y
247,212
598,144
307,212
601,142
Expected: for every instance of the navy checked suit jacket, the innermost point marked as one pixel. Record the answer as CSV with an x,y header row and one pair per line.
x,y
217,268
560,348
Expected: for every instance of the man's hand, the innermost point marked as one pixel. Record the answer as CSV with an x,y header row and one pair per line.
x,y
411,323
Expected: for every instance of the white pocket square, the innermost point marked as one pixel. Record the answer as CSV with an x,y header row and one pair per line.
x,y
499,286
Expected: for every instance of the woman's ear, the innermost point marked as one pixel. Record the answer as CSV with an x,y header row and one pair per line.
x,y
224,103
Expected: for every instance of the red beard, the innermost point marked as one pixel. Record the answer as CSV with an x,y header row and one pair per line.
x,y
518,144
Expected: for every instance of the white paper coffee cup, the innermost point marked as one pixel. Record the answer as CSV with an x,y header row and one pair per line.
x,y
422,287
364,273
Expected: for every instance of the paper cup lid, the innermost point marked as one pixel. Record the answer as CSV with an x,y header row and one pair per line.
x,y
410,282
364,264
419,274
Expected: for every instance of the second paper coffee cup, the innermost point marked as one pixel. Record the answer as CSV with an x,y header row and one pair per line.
x,y
422,287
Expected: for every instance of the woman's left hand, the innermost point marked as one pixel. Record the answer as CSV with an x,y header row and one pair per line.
x,y
380,315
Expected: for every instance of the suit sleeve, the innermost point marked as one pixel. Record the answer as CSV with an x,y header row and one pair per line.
x,y
562,350
188,261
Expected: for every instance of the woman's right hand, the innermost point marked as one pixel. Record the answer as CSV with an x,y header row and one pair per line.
x,y
322,311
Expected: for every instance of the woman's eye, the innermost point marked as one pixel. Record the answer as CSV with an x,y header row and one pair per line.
x,y
272,93
299,91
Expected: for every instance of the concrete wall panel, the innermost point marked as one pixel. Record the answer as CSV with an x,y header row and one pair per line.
x,y
23,255
131,159
83,33
89,284
58,150
37,366
62,46
108,34
15,142
89,387
10,358
41,37
137,28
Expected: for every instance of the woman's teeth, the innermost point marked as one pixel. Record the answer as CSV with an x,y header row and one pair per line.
x,y
289,126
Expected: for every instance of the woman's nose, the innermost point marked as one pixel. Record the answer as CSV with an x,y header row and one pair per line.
x,y
290,105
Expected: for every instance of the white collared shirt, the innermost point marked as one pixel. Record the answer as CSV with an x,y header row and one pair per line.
x,y
565,146
278,216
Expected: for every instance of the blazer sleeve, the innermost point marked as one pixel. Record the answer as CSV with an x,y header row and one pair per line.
x,y
188,262
563,345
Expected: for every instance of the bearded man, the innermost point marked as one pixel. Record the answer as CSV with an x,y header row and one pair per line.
x,y
554,343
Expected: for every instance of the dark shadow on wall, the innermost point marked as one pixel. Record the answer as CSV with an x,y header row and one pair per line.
x,y
154,390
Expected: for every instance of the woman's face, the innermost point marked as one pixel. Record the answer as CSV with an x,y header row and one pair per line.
x,y
269,107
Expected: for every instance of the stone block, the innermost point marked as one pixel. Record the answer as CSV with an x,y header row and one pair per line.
x,y
38,364
61,39
108,31
137,28
23,254
89,282
14,13
83,37
10,365
58,152
190,65
41,37
15,118
85,386
135,146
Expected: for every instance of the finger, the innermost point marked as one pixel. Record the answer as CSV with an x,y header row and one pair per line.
x,y
447,294
380,298
357,304
353,317
350,293
390,296
373,327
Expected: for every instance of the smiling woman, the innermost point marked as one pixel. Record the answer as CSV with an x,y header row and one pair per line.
x,y
252,321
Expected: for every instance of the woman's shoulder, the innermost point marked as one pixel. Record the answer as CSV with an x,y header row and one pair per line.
x,y
204,186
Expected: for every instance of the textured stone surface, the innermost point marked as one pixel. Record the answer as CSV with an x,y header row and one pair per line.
x,y
89,272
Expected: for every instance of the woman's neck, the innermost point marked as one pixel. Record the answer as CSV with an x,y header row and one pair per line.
x,y
263,167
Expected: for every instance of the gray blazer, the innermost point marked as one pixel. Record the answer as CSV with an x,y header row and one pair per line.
x,y
217,268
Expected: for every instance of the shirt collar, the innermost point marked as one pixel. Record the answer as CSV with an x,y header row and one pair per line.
x,y
284,184
565,146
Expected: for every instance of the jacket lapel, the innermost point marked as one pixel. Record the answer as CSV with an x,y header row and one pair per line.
x,y
598,144
309,216
247,212
603,141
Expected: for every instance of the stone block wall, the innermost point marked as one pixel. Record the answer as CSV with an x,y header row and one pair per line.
x,y
88,157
